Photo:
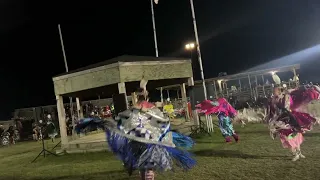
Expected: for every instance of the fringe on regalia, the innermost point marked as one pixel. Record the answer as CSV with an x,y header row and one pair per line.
x,y
299,98
294,121
156,156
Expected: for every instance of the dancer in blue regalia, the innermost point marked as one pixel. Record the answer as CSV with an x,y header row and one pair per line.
x,y
143,140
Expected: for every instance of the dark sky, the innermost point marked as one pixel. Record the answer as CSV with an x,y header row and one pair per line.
x,y
234,35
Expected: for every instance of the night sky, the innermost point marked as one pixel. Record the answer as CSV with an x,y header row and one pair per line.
x,y
234,35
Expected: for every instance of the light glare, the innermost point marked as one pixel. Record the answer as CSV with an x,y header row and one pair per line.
x,y
189,46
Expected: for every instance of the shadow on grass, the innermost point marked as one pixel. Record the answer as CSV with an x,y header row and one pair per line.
x,y
112,175
255,132
224,153
233,154
219,141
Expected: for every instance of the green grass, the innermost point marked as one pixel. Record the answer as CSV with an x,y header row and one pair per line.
x,y
257,156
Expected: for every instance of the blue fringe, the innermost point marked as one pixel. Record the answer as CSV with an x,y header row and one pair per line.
x,y
182,158
182,141
136,155
121,147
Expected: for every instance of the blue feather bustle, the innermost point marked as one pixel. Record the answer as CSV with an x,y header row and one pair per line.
x,y
138,155
182,141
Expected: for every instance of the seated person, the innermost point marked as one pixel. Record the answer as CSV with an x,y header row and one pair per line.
x,y
36,132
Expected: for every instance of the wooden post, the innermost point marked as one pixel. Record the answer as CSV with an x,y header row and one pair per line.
x,y
178,96
79,109
257,93
161,95
264,91
226,87
250,85
194,111
184,99
222,88
62,122
215,89
72,119
210,123
168,94
295,75
294,72
240,85
219,84
122,89
134,98
190,81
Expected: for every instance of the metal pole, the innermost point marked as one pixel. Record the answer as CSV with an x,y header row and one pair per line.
x,y
67,70
154,30
63,52
198,49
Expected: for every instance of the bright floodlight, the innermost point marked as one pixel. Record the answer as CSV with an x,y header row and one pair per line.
x,y
189,46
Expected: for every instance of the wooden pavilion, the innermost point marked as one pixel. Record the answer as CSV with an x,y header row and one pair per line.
x,y
118,75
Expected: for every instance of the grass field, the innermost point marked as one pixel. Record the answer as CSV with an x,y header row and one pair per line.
x,y
256,156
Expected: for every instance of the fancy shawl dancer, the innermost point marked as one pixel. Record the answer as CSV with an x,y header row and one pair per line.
x,y
144,142
225,112
287,120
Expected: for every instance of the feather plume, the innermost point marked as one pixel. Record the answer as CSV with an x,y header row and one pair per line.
x,y
143,84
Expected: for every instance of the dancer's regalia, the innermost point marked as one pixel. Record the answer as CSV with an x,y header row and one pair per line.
x,y
225,112
288,121
143,140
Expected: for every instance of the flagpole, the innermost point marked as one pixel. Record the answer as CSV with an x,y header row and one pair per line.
x,y
154,29
67,70
63,52
198,50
